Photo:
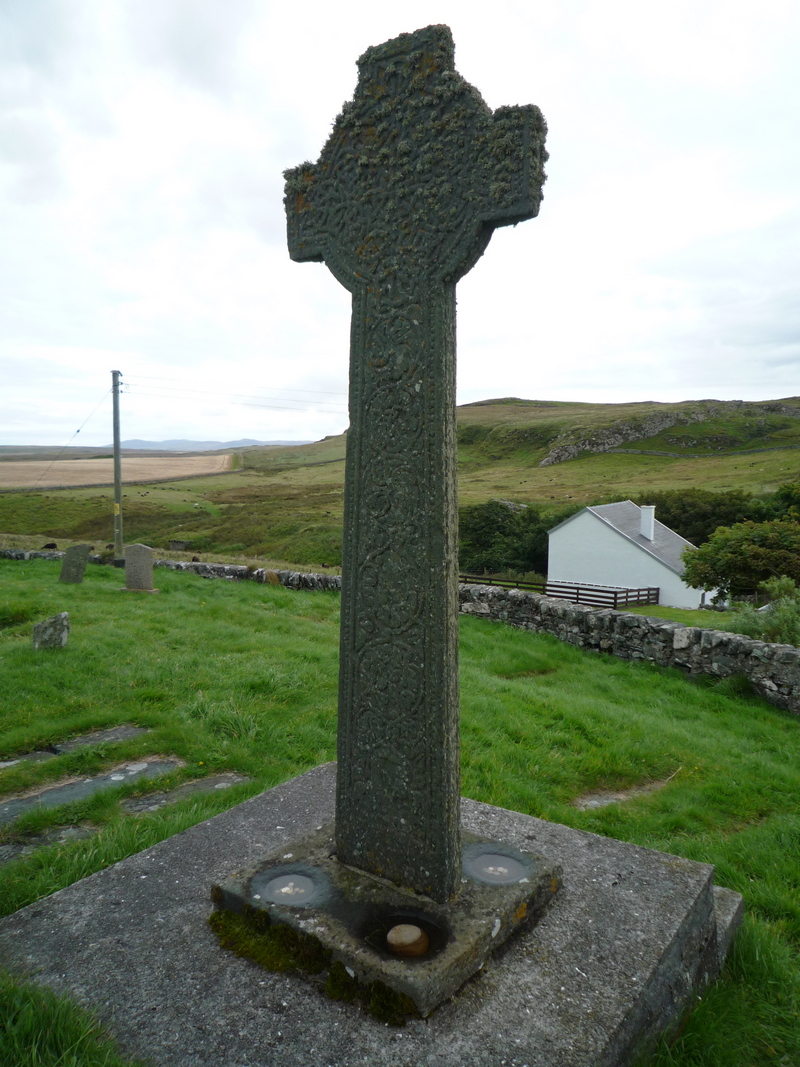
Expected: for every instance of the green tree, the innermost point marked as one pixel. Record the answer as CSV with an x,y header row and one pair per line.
x,y
487,535
785,501
501,535
737,559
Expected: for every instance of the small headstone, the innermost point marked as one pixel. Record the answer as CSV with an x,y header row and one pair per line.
x,y
180,546
52,633
139,568
74,565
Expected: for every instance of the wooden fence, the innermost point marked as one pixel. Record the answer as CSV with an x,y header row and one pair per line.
x,y
597,596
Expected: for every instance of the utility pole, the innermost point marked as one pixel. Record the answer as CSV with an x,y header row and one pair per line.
x,y
119,550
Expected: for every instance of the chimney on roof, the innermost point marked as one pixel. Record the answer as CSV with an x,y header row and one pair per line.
x,y
647,517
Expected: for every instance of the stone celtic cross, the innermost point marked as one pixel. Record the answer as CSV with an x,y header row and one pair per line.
x,y
412,181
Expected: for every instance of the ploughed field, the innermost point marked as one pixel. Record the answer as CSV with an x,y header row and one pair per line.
x,y
62,473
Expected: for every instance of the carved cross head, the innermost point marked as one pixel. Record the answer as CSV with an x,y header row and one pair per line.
x,y
417,172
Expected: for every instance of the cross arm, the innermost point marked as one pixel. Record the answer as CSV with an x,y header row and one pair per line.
x,y
514,157
304,237
506,184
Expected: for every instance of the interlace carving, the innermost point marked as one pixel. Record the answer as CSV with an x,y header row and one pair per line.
x,y
407,191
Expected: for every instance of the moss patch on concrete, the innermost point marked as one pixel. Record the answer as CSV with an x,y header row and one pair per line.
x,y
280,949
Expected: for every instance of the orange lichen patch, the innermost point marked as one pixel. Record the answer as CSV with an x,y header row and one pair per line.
x,y
427,64
522,910
553,884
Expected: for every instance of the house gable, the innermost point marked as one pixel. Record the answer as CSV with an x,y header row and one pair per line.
x,y
624,518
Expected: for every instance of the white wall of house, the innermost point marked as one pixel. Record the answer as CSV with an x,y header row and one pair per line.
x,y
587,551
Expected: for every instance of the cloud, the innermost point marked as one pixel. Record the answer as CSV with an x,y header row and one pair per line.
x,y
37,34
143,226
196,40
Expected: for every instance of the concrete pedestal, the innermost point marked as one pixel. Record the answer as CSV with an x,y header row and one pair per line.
x,y
623,948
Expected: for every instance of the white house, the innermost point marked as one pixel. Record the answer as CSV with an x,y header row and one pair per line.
x,y
621,545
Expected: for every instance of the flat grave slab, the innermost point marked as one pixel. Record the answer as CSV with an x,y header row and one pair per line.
x,y
27,757
59,835
628,933
100,737
79,788
96,737
154,801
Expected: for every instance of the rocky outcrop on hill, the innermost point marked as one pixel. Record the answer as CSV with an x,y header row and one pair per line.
x,y
572,442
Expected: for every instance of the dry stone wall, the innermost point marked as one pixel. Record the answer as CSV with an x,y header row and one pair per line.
x,y
773,670
231,571
238,572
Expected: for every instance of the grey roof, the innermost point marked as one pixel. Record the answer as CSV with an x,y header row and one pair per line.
x,y
625,517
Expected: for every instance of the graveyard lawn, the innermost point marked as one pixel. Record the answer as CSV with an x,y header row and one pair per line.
x,y
242,677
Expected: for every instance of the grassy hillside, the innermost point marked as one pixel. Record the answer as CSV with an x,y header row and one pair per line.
x,y
249,685
285,503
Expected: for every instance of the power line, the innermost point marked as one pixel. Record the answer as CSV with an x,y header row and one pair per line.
x,y
66,446
273,388
193,395
185,390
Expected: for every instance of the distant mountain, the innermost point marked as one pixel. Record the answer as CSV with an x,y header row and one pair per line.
x,y
200,446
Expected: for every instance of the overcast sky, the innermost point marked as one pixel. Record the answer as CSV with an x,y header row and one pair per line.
x,y
142,144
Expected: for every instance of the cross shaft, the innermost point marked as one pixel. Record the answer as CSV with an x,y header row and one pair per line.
x,y
409,187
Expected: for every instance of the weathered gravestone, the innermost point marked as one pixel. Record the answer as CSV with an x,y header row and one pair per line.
x,y
52,633
415,176
74,565
139,568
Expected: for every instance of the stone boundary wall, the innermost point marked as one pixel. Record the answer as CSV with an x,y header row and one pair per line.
x,y
231,571
773,670
240,572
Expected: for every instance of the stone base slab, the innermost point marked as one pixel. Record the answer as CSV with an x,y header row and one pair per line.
x,y
350,913
630,939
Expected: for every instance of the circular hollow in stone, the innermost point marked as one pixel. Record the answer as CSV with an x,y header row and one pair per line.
x,y
406,939
295,889
495,868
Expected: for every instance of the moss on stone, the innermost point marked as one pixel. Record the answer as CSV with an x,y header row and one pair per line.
x,y
388,1006
280,949
277,948
339,985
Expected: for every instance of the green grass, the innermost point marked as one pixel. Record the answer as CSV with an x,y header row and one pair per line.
x,y
242,677
264,517
38,1029
709,620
